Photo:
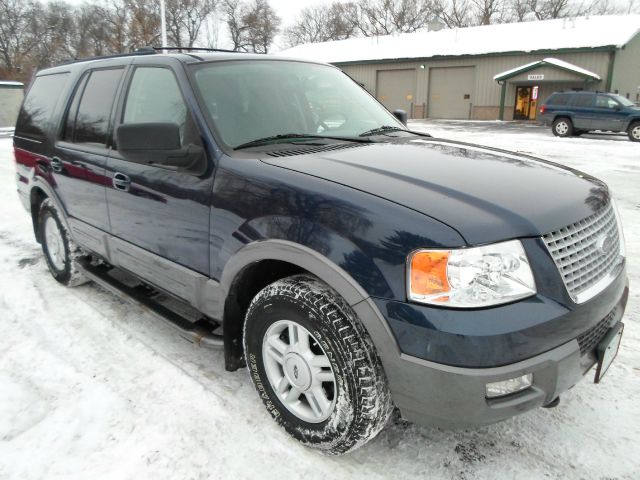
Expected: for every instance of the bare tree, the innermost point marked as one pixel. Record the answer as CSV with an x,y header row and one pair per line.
x,y
487,12
383,17
17,36
185,19
320,24
454,13
252,26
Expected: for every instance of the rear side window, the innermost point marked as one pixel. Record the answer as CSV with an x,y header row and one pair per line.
x,y
36,113
89,123
582,100
559,99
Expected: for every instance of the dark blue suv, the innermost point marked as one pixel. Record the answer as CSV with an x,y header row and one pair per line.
x,y
274,209
575,113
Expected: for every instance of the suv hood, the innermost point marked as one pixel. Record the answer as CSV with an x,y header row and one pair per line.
x,y
486,194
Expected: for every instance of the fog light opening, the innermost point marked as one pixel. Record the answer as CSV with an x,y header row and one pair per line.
x,y
507,387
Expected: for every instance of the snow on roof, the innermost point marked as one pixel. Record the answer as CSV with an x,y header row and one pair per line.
x,y
11,84
548,61
581,32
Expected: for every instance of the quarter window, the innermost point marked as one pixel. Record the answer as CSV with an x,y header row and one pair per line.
x,y
35,115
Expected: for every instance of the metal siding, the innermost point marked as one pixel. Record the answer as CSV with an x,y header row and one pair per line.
x,y
486,90
626,70
10,101
395,89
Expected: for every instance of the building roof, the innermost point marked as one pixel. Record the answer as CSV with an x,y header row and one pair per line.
x,y
561,34
583,72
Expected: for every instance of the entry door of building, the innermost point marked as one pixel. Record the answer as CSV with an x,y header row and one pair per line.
x,y
526,103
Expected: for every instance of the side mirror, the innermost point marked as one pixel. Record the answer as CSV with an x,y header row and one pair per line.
x,y
158,144
617,108
401,115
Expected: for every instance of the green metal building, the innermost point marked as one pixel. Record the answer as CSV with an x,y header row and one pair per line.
x,y
490,72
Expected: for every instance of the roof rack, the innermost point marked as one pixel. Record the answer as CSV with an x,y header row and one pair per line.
x,y
140,51
193,49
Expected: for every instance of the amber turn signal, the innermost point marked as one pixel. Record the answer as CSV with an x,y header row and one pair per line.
x,y
429,273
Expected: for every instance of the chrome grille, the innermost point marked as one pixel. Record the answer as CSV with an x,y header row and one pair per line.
x,y
578,252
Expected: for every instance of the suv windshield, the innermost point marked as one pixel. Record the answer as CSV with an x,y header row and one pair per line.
x,y
622,100
254,100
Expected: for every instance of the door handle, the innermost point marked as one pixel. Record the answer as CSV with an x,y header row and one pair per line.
x,y
121,181
56,164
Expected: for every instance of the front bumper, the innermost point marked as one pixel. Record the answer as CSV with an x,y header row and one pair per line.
x,y
437,394
454,397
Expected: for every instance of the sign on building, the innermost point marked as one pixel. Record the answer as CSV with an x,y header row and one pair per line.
x,y
538,76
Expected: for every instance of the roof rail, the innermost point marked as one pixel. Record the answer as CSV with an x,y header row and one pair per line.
x,y
194,49
140,51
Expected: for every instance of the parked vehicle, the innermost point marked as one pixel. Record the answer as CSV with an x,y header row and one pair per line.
x,y
273,208
575,113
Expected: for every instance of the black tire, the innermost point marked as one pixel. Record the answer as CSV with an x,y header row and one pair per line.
x,y
634,132
66,272
362,401
562,127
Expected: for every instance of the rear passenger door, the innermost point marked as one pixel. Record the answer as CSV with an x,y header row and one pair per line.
x,y
80,154
581,106
162,210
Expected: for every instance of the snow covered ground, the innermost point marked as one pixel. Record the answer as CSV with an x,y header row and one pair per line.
x,y
91,388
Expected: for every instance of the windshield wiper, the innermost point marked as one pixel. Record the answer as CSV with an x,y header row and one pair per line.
x,y
289,136
382,129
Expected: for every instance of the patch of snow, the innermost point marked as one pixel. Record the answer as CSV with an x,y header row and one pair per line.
x,y
581,32
94,388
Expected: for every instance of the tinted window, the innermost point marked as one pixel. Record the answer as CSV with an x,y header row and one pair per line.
x,y
69,124
604,101
559,99
582,100
34,118
154,96
92,119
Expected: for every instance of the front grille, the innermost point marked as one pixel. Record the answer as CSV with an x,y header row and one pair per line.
x,y
580,253
590,339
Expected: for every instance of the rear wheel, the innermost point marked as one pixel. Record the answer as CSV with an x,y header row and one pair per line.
x,y
562,127
315,366
634,132
58,248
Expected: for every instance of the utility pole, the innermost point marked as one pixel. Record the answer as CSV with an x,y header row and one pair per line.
x,y
163,25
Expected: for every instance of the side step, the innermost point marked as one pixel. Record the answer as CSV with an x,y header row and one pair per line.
x,y
179,315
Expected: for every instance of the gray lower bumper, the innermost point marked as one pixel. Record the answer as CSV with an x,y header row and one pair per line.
x,y
455,397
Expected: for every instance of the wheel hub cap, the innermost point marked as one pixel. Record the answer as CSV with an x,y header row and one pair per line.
x,y
636,133
55,244
299,371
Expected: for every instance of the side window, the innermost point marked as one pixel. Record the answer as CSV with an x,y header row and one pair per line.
x,y
92,118
70,122
604,101
154,97
35,115
582,100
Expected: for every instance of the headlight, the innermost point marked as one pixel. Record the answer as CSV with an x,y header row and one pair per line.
x,y
471,277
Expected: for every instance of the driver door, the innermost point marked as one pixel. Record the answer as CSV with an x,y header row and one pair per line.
x,y
161,210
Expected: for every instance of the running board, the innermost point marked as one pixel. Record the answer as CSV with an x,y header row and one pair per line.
x,y
199,332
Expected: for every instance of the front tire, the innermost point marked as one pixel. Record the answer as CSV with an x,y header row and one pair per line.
x,y
58,248
562,127
314,365
634,132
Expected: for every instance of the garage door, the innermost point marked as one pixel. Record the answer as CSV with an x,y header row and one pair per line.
x,y
451,92
395,89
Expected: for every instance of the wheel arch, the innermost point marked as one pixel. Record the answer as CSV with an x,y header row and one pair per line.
x,y
37,194
282,258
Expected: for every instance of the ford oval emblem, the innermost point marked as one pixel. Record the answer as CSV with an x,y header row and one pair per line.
x,y
605,244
